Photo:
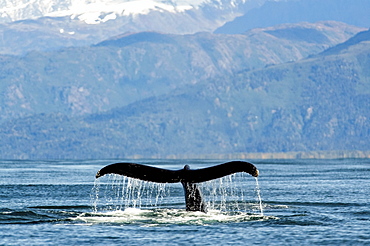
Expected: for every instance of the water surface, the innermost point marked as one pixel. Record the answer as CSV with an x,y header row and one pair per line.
x,y
305,202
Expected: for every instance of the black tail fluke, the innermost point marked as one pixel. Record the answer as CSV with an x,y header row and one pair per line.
x,y
188,178
142,172
219,171
160,175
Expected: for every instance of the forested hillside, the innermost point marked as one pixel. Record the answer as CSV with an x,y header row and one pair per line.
x,y
132,67
318,103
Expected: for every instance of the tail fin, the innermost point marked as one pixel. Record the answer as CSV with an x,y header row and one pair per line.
x,y
160,175
188,178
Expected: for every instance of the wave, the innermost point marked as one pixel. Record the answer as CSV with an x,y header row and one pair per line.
x,y
40,214
24,217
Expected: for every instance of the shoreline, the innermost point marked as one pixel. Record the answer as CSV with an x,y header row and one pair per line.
x,y
332,154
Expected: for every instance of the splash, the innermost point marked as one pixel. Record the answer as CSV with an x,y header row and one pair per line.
x,y
158,217
232,193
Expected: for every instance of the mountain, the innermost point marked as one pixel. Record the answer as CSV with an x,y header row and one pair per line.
x,y
354,41
54,24
93,11
353,12
131,67
318,103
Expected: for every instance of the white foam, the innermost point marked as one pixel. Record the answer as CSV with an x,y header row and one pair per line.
x,y
166,216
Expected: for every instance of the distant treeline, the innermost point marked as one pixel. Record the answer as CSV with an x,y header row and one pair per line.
x,y
338,154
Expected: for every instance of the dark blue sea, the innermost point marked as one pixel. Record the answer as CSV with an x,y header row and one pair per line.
x,y
293,202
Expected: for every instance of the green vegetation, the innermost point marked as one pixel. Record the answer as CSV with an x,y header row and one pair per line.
x,y
316,104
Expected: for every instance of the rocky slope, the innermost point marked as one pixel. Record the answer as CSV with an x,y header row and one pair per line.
x,y
318,103
53,24
127,68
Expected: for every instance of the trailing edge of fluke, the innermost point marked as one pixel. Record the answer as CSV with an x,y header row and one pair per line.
x,y
187,177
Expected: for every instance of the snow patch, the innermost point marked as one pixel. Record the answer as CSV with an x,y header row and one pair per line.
x,y
98,11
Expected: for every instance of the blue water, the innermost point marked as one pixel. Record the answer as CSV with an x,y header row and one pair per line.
x,y
304,202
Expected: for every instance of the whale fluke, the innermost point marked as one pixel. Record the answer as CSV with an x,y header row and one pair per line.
x,y
160,175
188,177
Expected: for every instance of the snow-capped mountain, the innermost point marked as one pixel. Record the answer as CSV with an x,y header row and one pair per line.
x,y
97,11
27,25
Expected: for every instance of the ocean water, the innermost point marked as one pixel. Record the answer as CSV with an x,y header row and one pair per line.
x,y
293,202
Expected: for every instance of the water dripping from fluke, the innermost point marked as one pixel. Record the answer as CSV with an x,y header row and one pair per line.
x,y
94,196
258,191
144,186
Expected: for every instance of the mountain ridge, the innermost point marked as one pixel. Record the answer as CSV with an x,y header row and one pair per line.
x,y
90,12
279,12
54,32
89,79
363,36
318,103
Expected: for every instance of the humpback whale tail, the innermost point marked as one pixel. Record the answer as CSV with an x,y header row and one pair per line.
x,y
188,177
